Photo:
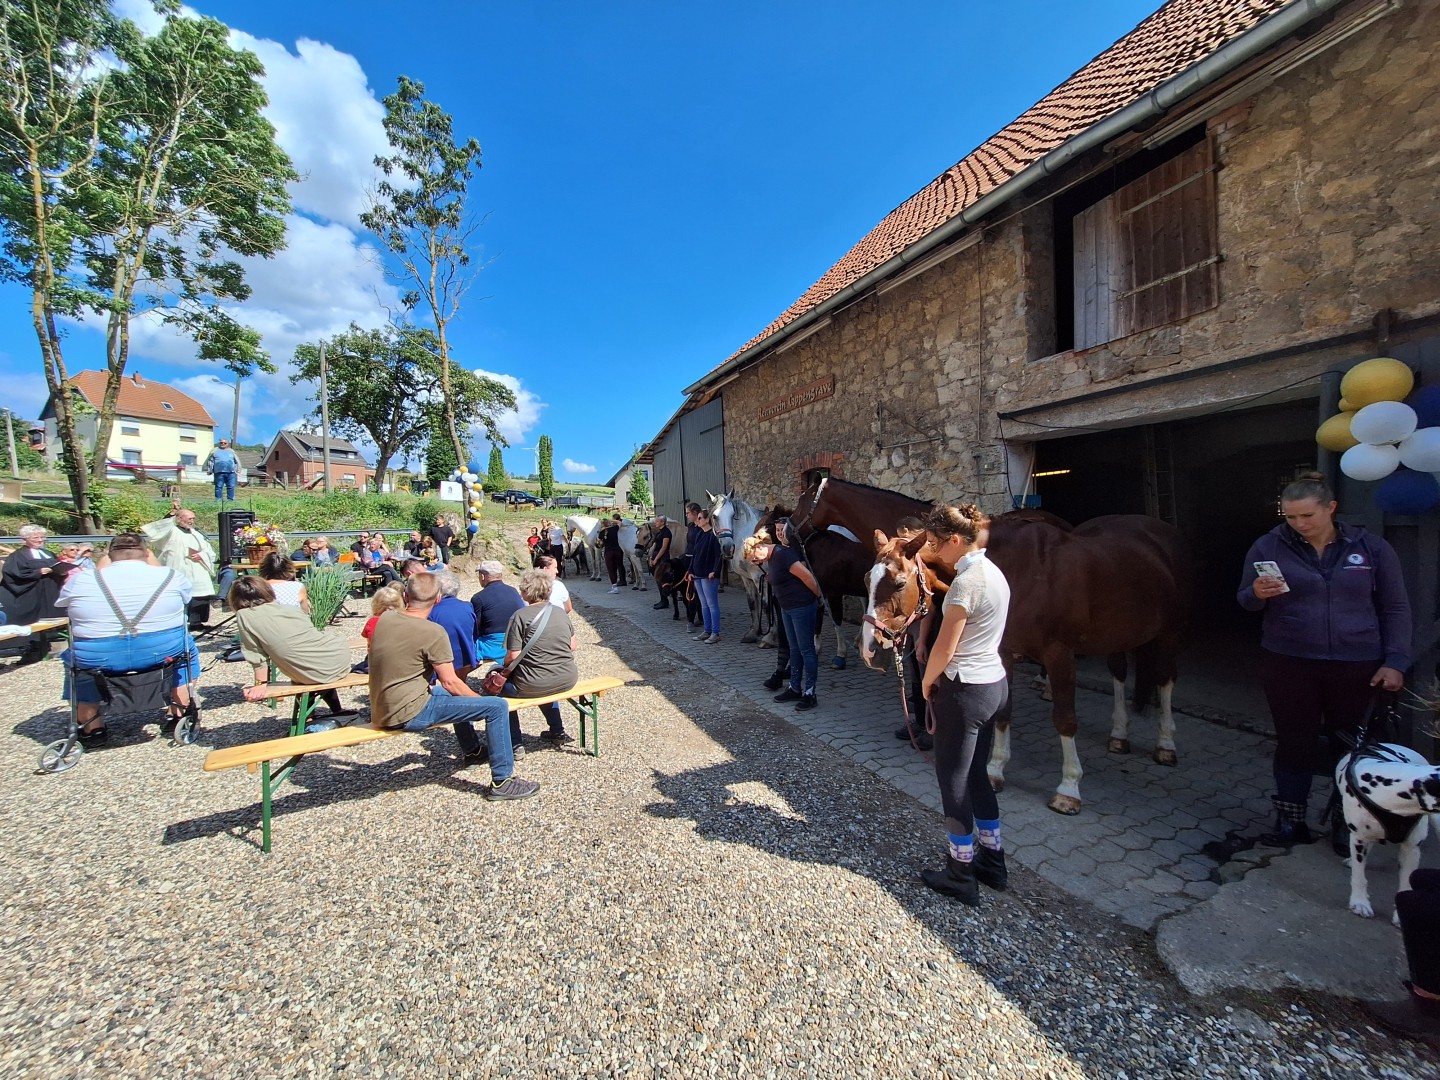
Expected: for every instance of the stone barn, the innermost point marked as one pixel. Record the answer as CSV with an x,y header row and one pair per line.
x,y
1137,297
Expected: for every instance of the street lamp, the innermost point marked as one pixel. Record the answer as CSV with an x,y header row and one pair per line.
x,y
235,416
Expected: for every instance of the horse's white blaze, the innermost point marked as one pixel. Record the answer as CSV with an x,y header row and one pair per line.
x,y
1166,738
869,640
999,754
1119,718
1070,771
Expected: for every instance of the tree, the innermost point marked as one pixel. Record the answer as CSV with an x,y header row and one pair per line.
x,y
26,455
639,486
385,384
440,459
422,221
495,481
547,467
132,169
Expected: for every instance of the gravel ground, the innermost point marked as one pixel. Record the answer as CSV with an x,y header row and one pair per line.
x,y
717,895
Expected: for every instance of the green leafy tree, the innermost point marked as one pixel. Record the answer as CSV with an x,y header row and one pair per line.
x,y
547,467
440,459
133,170
25,456
495,481
386,384
639,487
421,219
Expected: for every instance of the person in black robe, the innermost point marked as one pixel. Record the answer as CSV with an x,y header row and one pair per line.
x,y
30,582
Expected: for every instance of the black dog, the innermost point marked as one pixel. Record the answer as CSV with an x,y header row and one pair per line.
x,y
669,575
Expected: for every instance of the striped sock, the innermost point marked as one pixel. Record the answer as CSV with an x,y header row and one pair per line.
x,y
988,833
962,848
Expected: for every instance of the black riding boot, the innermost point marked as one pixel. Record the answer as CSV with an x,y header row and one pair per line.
x,y
957,880
1290,827
990,868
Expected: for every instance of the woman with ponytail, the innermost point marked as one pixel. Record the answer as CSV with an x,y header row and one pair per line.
x,y
965,684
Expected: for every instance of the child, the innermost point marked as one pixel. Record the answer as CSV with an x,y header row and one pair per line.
x,y
390,598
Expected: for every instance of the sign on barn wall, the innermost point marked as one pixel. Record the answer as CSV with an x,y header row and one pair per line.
x,y
805,395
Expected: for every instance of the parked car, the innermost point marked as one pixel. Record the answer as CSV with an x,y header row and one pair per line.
x,y
514,495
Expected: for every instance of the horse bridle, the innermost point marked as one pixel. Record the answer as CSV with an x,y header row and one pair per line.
x,y
927,596
809,511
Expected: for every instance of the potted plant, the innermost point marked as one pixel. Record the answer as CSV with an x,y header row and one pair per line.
x,y
259,539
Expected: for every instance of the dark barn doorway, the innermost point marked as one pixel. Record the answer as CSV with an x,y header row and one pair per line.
x,y
1217,478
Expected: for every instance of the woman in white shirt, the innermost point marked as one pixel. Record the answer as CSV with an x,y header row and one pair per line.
x,y
279,571
965,684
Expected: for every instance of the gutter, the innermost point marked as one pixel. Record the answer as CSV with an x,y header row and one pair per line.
x,y
1152,105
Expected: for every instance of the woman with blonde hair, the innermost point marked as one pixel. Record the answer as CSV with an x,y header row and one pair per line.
x,y
965,685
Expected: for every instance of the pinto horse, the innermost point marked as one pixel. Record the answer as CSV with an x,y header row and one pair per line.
x,y
1114,585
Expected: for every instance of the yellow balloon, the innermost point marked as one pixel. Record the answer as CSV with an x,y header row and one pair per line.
x,y
1381,379
1334,434
1347,406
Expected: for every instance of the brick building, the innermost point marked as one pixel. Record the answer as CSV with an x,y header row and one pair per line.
x,y
297,459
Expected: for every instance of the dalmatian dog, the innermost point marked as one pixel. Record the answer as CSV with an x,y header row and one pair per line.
x,y
1388,793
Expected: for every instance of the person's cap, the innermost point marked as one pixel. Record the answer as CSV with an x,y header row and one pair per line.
x,y
491,568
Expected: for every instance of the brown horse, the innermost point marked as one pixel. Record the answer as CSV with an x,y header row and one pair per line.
x,y
1111,586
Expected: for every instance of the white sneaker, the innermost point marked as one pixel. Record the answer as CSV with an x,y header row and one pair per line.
x,y
614,588
713,639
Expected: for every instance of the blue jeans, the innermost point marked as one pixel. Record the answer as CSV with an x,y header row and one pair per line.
x,y
800,634
225,485
120,653
708,590
445,708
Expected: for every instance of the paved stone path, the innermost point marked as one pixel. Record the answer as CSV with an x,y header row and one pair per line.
x,y
1134,851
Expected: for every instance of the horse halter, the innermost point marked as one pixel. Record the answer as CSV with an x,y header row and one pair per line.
x,y
922,608
796,523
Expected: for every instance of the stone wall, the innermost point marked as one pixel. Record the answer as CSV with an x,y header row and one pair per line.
x,y
1327,214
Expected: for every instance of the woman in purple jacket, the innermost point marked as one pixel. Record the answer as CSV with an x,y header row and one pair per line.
x,y
1336,631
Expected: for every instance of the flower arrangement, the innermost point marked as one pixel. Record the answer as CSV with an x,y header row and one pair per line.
x,y
257,534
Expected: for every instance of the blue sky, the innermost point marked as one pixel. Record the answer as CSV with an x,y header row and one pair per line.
x,y
660,180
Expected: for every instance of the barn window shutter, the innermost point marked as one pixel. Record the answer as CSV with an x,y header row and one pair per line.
x,y
1147,255
1167,224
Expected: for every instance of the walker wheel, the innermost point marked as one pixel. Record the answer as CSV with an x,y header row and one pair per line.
x,y
186,730
61,755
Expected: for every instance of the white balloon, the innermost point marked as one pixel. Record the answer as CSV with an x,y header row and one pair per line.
x,y
1366,462
1421,451
1383,422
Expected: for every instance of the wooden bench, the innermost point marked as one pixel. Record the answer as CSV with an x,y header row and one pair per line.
x,y
584,695
307,697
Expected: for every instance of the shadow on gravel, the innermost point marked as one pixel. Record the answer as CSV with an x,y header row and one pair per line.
x,y
321,781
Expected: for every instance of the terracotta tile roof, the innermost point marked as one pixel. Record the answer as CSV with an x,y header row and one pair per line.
x,y
1178,35
144,399
312,447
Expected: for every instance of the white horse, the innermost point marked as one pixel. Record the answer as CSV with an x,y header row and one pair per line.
x,y
734,520
587,528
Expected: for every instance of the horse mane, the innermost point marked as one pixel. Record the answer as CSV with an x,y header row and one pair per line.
x,y
877,490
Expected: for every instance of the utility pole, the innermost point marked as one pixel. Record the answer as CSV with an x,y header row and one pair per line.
x,y
235,416
325,418
10,438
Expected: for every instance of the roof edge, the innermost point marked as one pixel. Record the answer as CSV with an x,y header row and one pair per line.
x,y
1151,105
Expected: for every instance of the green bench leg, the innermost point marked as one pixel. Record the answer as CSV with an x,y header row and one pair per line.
x,y
302,712
269,784
589,710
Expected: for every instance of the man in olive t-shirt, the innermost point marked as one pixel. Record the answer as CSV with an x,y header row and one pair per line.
x,y
405,649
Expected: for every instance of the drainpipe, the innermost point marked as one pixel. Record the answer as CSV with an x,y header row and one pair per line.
x,y
1156,103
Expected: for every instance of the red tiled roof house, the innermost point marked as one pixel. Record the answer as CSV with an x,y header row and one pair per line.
x,y
157,427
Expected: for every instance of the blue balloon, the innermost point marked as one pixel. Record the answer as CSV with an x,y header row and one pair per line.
x,y
1406,491
475,466
474,526
1426,403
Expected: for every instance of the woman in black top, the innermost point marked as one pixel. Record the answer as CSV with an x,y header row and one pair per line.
x,y
797,591
705,570
610,544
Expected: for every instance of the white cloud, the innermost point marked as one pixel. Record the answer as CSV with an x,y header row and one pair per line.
x,y
514,423
326,118
577,466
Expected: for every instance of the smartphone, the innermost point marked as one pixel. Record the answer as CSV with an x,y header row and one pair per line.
x,y
1270,568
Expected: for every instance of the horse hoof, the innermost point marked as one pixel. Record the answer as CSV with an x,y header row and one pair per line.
x,y
1119,746
1045,694
748,639
997,783
838,663
1166,757
1064,804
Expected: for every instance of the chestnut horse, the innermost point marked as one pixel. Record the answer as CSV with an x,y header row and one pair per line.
x,y
1114,585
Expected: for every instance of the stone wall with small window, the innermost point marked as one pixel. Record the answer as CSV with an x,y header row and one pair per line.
x,y
1325,212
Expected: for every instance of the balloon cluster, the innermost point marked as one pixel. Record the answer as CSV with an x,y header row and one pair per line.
x,y
470,479
1384,432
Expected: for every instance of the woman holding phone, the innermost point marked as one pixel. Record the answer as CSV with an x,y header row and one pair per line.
x,y
1335,632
